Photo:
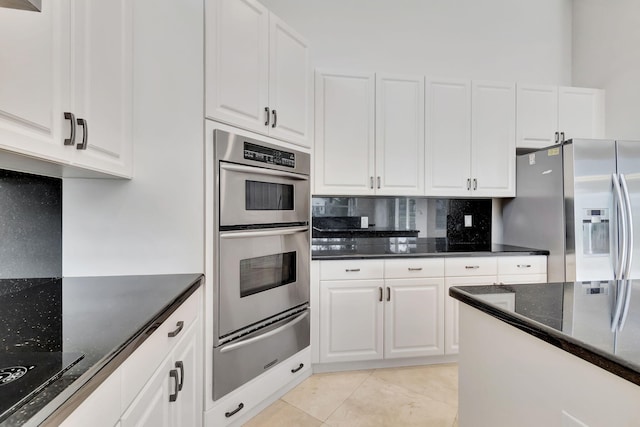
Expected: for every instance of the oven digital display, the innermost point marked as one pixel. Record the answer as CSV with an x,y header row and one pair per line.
x,y
268,155
266,272
268,196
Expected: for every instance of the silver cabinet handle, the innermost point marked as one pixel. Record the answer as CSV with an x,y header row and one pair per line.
x,y
351,270
468,183
268,116
524,265
471,267
378,182
415,268
557,137
85,134
262,171
475,184
561,136
371,182
72,135
380,297
275,118
388,294
180,365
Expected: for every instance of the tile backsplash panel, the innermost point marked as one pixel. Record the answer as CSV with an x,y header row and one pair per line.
x,y
30,225
435,218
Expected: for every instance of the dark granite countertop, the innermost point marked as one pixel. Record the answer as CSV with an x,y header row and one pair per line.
x,y
101,318
575,317
326,248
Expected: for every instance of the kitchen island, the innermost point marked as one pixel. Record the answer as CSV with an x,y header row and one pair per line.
x,y
557,354
86,327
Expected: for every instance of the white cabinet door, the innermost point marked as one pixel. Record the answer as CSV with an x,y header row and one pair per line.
x,y
537,116
290,84
451,308
237,63
399,135
102,76
581,112
448,138
152,407
493,139
344,133
187,409
34,80
414,318
351,320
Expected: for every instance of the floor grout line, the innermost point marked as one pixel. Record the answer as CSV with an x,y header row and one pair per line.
x,y
351,394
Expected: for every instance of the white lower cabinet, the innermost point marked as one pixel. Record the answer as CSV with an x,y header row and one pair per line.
x,y
351,320
398,308
172,395
399,314
159,384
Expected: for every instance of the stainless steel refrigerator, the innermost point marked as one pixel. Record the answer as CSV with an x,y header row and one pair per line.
x,y
581,202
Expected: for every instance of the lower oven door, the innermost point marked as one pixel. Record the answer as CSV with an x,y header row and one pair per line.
x,y
243,359
262,273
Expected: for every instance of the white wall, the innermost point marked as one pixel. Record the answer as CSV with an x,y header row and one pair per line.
x,y
155,222
606,38
511,40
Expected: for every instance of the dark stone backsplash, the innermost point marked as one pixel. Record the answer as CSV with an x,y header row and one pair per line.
x,y
404,216
30,225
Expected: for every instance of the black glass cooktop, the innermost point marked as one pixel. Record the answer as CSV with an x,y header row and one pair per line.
x,y
23,374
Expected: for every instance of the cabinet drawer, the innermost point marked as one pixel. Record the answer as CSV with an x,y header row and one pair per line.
x,y
351,269
414,267
473,266
142,363
522,265
238,406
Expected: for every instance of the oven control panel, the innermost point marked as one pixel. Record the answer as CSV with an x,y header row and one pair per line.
x,y
269,155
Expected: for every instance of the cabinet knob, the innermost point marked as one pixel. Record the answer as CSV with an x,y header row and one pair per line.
x,y
72,134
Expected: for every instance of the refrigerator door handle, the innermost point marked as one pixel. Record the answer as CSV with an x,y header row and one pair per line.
x,y
629,213
620,302
620,212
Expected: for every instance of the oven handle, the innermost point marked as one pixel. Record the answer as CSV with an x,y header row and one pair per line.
x,y
262,171
248,341
262,233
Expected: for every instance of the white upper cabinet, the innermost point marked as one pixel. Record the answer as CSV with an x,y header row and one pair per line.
x,y
102,75
258,74
290,84
448,138
547,115
581,112
65,70
493,139
399,135
344,133
34,76
369,134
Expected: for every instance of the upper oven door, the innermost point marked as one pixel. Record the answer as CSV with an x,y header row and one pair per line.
x,y
259,196
262,273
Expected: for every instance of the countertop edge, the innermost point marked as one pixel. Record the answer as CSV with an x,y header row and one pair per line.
x,y
584,351
431,255
73,396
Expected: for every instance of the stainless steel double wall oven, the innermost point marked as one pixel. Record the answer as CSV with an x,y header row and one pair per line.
x,y
261,203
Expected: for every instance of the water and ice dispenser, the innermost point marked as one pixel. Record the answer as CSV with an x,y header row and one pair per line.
x,y
595,231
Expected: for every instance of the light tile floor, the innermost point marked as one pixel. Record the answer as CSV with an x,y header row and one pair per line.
x,y
413,396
